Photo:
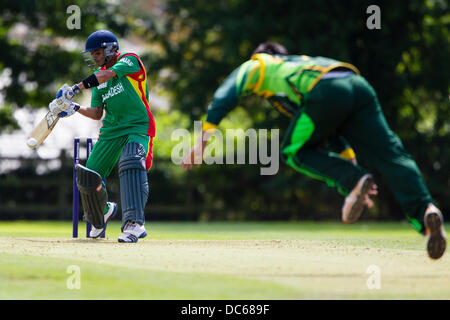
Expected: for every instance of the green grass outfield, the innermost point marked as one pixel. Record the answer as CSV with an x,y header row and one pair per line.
x,y
281,260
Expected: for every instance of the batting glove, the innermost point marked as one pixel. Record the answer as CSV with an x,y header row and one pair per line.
x,y
61,109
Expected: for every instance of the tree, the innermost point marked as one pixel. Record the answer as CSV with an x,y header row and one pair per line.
x,y
39,52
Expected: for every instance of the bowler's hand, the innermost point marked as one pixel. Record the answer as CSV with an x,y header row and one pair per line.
x,y
194,156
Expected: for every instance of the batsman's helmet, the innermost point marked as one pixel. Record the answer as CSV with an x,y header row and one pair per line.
x,y
102,39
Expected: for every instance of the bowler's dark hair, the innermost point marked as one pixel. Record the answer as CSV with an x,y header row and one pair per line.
x,y
271,48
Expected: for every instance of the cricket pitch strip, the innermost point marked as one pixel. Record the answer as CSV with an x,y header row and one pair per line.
x,y
219,269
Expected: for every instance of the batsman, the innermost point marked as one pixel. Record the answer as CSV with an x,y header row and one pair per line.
x,y
335,116
120,97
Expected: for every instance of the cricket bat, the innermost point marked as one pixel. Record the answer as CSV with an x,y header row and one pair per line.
x,y
42,130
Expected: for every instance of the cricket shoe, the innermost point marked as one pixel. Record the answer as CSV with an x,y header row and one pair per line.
x,y
355,201
95,233
132,232
434,230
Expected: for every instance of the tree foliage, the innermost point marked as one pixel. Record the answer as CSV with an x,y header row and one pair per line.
x,y
34,38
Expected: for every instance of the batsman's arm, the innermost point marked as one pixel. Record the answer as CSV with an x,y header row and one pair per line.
x,y
94,80
95,110
119,69
95,113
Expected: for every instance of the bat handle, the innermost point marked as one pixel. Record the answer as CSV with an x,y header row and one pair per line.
x,y
70,95
76,89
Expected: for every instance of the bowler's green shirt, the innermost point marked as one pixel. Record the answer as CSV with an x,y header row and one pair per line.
x,y
284,80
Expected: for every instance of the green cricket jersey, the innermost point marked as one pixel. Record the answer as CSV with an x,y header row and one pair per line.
x,y
283,80
125,99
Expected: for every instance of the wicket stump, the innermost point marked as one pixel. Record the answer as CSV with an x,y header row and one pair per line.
x,y
76,193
